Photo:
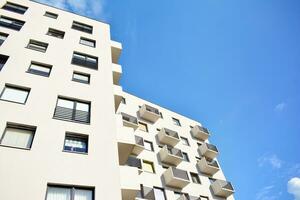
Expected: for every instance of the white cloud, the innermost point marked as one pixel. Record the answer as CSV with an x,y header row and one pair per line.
x,y
272,160
280,107
268,193
294,187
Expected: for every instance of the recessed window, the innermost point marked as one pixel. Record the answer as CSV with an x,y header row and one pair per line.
x,y
76,143
87,42
81,77
15,8
185,157
40,69
3,60
11,23
185,141
143,127
56,33
82,27
148,166
176,121
85,60
148,145
69,193
51,15
123,100
161,115
14,94
17,135
3,37
37,45
72,110
159,193
204,198
195,178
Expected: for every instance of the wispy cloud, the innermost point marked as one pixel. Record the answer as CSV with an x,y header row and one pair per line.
x,y
85,7
270,159
294,187
268,193
280,107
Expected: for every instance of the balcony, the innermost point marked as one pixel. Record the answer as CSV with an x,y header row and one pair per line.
x,y
117,72
176,178
208,150
149,113
200,133
168,137
129,121
207,167
118,95
222,188
171,156
116,49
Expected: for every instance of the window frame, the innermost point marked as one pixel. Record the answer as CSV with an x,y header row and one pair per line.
x,y
81,74
79,26
186,159
89,40
76,135
2,34
145,125
176,121
195,175
15,24
37,43
36,72
187,143
150,163
161,189
56,33
2,64
72,189
86,57
151,145
18,8
16,88
51,15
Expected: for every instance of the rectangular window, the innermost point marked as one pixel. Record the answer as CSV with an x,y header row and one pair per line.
x,y
51,15
143,127
11,23
15,94
3,60
72,110
204,198
40,69
123,100
87,42
176,121
159,193
161,115
82,27
148,166
195,178
185,141
81,78
3,37
15,8
19,136
185,157
37,46
69,193
148,145
85,60
76,143
56,33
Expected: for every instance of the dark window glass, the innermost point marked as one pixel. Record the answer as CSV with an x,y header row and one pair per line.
x,y
37,46
3,37
185,157
40,69
82,27
87,42
81,78
51,15
56,33
15,8
123,100
76,143
85,60
11,23
176,121
3,60
55,192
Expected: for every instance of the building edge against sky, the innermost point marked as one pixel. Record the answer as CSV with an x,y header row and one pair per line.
x,y
68,131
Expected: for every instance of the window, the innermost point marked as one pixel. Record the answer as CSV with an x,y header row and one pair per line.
x,y
72,110
176,121
159,193
14,94
161,115
143,127
40,69
185,141
3,60
87,42
19,136
148,145
204,198
69,193
148,166
195,178
3,37
15,8
11,23
56,33
179,194
82,27
85,60
51,15
81,78
76,143
185,157
123,100
37,46
199,144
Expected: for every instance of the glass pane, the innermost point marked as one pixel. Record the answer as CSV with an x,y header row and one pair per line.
x,y
65,103
78,56
15,95
159,194
6,20
17,138
75,144
81,77
55,193
147,166
90,59
81,194
148,145
40,68
82,106
87,42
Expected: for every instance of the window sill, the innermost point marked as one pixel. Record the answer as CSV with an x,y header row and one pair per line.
x,y
67,120
21,148
75,152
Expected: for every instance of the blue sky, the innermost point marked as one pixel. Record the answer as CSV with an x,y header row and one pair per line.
x,y
232,65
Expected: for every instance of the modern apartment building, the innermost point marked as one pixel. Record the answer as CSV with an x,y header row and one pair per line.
x,y
69,132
